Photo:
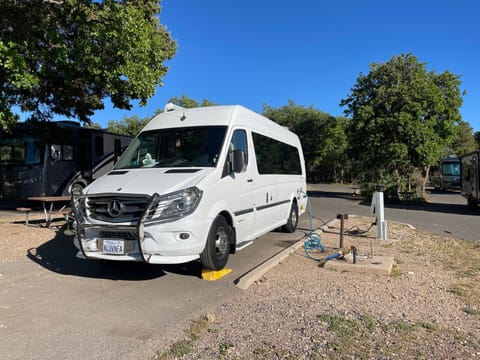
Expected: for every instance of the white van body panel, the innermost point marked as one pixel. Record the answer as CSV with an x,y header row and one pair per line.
x,y
128,183
252,203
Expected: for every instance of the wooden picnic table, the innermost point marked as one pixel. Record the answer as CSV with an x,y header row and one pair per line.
x,y
48,204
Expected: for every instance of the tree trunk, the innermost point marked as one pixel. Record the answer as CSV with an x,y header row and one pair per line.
x,y
399,182
424,181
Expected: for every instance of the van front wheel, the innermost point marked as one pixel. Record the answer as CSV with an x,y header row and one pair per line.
x,y
292,221
217,249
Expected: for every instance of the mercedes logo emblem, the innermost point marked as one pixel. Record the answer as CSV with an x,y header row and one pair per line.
x,y
114,208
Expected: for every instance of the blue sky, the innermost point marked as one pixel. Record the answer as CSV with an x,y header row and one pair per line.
x,y
254,52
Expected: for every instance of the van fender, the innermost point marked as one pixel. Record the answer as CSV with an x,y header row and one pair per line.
x,y
301,198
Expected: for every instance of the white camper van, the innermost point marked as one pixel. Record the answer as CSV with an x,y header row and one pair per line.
x,y
195,184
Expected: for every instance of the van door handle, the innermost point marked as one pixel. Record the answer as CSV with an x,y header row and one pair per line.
x,y
249,180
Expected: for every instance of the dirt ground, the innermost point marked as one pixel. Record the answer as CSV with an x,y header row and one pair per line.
x,y
428,308
16,238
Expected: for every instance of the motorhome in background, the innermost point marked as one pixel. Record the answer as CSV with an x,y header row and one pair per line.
x,y
53,158
470,178
446,175
196,183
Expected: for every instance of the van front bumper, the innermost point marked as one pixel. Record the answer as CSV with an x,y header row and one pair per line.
x,y
172,242
157,244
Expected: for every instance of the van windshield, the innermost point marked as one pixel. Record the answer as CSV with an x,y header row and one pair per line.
x,y
198,146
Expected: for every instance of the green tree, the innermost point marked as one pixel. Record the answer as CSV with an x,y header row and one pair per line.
x,y
66,57
186,102
128,126
463,142
401,120
322,135
476,135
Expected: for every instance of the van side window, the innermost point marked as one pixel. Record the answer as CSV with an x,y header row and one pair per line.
x,y
275,157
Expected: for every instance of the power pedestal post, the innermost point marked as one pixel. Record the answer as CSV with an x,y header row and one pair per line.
x,y
377,209
342,218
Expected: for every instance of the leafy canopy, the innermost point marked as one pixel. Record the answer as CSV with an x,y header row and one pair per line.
x,y
187,102
464,141
66,57
401,117
322,135
132,125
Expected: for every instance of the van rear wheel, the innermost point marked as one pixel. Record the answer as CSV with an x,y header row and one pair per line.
x,y
292,222
217,248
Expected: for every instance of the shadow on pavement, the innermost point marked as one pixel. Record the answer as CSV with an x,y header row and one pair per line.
x,y
334,194
59,255
437,206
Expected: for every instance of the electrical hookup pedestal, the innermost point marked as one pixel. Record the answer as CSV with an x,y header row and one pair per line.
x,y
379,265
377,209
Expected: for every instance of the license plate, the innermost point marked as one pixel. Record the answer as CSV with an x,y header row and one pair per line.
x,y
113,247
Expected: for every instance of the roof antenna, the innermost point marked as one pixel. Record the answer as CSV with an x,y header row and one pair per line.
x,y
183,116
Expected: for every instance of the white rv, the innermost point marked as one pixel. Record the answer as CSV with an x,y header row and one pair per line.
x,y
195,184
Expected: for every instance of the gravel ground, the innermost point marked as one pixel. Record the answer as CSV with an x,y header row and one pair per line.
x,y
16,238
429,308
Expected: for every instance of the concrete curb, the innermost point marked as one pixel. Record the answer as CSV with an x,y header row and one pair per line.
x,y
256,273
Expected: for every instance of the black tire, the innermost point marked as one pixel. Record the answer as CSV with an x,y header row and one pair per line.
x,y
292,221
217,248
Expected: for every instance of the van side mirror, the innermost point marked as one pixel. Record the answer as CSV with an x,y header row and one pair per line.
x,y
238,161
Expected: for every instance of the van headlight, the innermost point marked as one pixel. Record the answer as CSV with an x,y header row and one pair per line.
x,y
173,206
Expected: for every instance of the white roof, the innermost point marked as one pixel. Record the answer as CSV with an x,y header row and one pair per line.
x,y
226,115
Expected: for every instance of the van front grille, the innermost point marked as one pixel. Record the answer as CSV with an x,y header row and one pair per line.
x,y
116,209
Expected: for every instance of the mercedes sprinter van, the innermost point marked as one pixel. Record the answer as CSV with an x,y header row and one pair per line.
x,y
196,183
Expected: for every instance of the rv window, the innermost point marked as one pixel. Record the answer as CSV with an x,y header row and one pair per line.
x,y
67,152
4,153
61,152
99,145
18,153
451,169
20,150
275,157
56,152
